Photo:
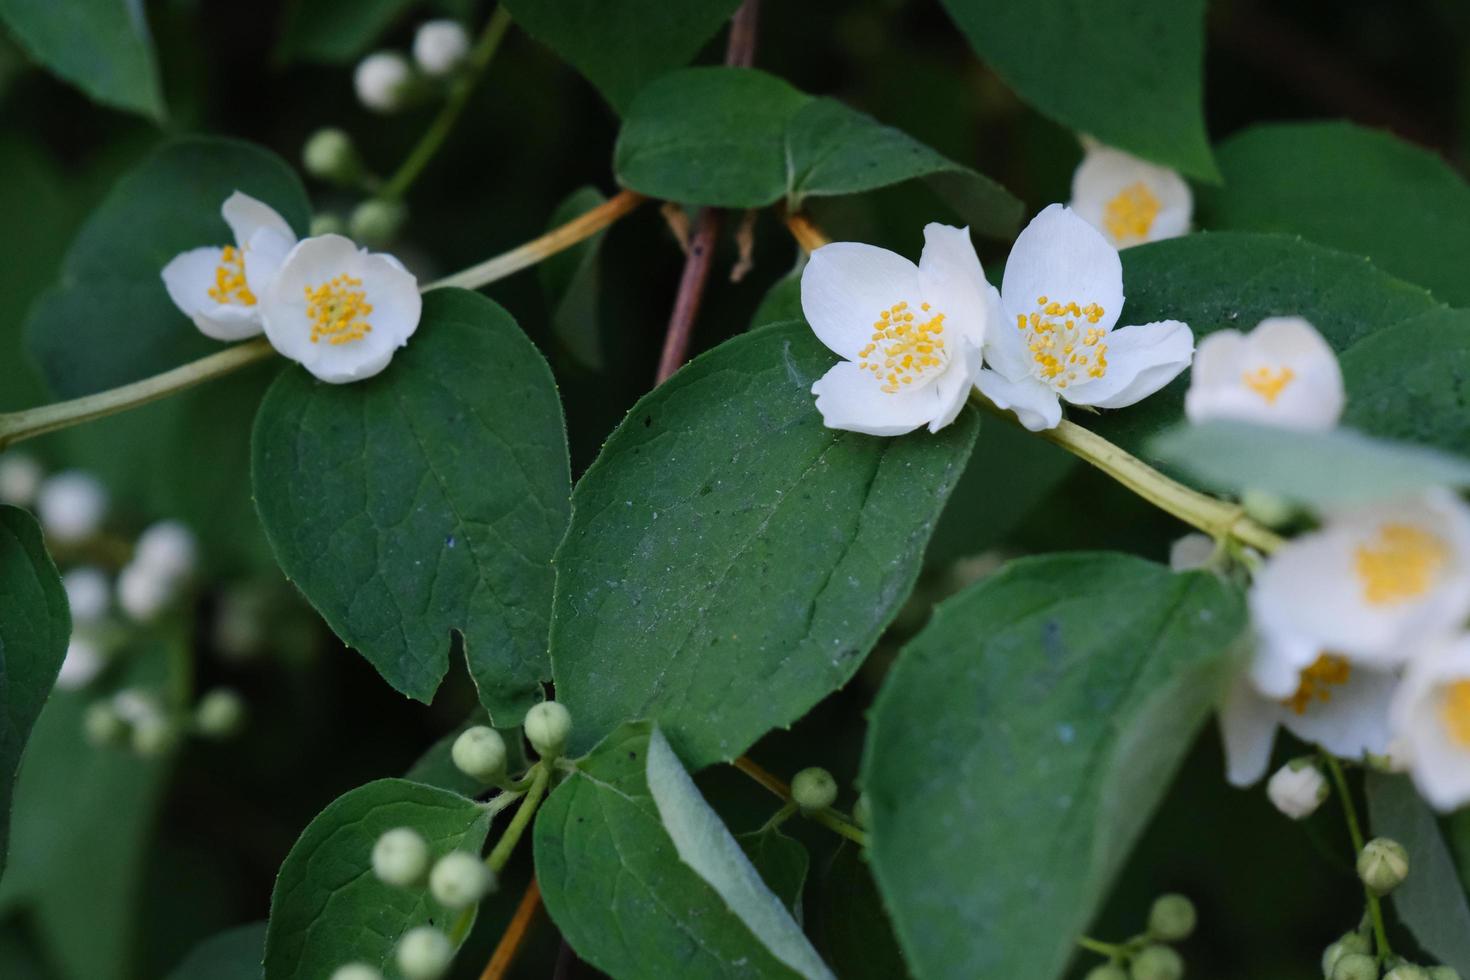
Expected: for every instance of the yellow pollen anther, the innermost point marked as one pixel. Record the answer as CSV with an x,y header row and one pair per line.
x,y
1268,383
229,279
338,310
1401,564
1131,214
904,349
1056,327
1317,682
1455,710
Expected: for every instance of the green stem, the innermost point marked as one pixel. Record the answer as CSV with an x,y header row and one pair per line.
x,y
780,816
397,185
500,854
1112,951
1355,833
839,824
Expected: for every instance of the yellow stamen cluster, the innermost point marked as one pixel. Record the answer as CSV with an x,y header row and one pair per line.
x,y
1455,710
1268,383
338,310
1060,346
1131,214
1317,682
904,346
1401,564
229,279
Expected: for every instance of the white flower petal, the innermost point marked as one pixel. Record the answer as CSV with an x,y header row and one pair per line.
x,y
246,216
1354,722
1141,360
847,285
954,283
264,254
1279,659
188,278
1429,715
1105,173
1063,258
954,385
850,398
1036,405
1283,373
1248,729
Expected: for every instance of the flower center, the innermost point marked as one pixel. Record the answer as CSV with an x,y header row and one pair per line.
x,y
1317,682
1400,564
1455,710
1131,213
229,279
904,348
338,310
1061,345
1268,383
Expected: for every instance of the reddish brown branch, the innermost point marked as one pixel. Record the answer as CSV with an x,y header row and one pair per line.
x,y
515,934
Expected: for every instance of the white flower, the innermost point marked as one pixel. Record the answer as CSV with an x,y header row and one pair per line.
x,y
909,336
382,79
440,46
168,548
1297,789
83,662
339,311
1129,200
88,593
71,505
219,287
1061,296
1191,552
1281,373
20,478
1431,720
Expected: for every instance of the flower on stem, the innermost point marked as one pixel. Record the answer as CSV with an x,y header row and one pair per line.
x,y
909,335
1431,723
383,81
1130,201
340,311
1061,296
1281,373
219,287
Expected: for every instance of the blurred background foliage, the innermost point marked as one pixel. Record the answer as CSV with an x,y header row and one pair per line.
x,y
120,866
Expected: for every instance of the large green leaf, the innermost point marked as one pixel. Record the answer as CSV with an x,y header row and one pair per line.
x,y
645,881
426,501
101,46
739,138
1020,745
1411,381
1352,188
328,908
621,45
35,624
572,283
730,560
336,31
1129,72
234,954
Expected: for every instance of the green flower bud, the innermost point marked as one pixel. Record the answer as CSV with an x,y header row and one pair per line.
x,y
479,752
153,735
1108,971
1407,971
460,879
1157,963
1443,973
813,789
356,971
424,953
1355,966
103,725
547,726
329,155
1269,509
1352,942
1171,919
327,223
400,857
860,812
219,714
1383,865
376,223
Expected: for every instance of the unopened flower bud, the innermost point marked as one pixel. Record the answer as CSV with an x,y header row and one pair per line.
x,y
329,155
548,725
1171,918
1355,966
1443,973
460,879
376,224
1191,552
357,971
143,592
88,593
219,714
1107,971
1407,971
1267,508
382,81
102,724
153,735
400,857
424,953
1157,963
20,479
1297,789
813,789
168,548
440,46
861,813
1350,943
133,704
1383,865
480,753
71,505
84,661
327,223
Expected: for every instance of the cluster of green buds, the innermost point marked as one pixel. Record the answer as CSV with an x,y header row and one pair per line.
x,y
1151,955
1351,958
330,156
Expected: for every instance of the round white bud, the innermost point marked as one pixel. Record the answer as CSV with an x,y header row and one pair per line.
x,y
400,857
168,548
1351,942
71,505
480,753
1355,966
1157,963
376,224
88,592
814,789
220,713
862,811
424,953
1443,973
1383,865
1191,552
20,479
382,80
327,223
84,661
440,46
134,704
329,155
102,724
1172,918
153,735
460,879
1407,971
357,971
144,592
1107,971
548,725
1297,789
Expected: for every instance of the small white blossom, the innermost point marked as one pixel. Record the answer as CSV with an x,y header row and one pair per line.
x,y
143,593
382,79
1281,373
1297,789
909,335
72,506
341,311
88,592
168,548
84,661
1131,201
440,46
1061,296
20,479
1431,722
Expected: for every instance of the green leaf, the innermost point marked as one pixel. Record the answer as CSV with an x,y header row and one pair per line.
x,y
1352,188
782,302
571,281
781,862
1129,72
234,954
1395,390
859,937
1313,468
1431,902
328,908
739,138
622,45
426,501
730,560
335,32
34,630
644,880
108,319
101,46
1022,742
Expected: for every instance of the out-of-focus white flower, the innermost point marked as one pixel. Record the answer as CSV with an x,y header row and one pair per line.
x,y
20,479
1062,294
144,592
1431,722
440,46
72,505
1297,789
133,704
909,335
382,80
1281,373
1131,201
84,661
88,592
169,548
1191,552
